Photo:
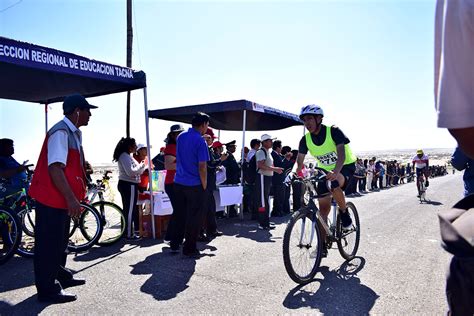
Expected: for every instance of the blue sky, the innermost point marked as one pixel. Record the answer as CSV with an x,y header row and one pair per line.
x,y
368,63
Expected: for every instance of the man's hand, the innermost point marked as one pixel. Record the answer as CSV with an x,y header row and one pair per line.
x,y
331,176
74,208
278,170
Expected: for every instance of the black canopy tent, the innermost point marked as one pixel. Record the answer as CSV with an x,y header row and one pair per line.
x,y
38,74
229,116
237,115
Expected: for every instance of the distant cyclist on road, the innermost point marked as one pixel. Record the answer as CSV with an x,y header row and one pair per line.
x,y
421,164
329,146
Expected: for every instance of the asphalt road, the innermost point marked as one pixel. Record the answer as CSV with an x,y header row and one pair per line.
x,y
400,269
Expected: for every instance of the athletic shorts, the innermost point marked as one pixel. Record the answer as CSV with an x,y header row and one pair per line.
x,y
420,171
347,171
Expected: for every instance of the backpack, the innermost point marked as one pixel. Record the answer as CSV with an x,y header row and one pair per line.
x,y
250,169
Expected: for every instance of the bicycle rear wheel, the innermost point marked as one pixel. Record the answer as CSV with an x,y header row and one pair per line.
x,y
113,222
10,234
348,240
302,246
28,219
85,231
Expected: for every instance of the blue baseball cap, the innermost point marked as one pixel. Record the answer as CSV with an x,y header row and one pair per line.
x,y
76,101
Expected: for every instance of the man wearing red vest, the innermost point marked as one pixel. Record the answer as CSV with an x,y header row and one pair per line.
x,y
58,185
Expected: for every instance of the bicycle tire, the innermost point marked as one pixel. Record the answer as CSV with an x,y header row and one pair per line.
x,y
306,217
26,248
86,231
342,236
113,222
10,234
28,217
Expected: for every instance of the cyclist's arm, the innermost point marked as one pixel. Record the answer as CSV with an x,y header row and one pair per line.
x,y
299,162
341,157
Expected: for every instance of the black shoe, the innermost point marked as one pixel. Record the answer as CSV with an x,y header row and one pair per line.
x,y
61,297
195,254
174,248
72,282
427,183
203,238
134,238
216,234
266,227
346,220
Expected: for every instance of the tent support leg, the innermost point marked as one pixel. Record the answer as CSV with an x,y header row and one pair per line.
x,y
46,118
244,127
152,213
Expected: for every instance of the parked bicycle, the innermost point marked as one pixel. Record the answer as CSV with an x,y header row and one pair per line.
x,y
112,218
10,234
303,241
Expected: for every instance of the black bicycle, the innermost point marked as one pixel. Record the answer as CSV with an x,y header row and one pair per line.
x,y
303,242
10,234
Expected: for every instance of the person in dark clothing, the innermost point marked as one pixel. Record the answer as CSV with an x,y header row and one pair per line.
x,y
288,166
190,184
209,220
58,186
297,186
232,172
461,161
278,179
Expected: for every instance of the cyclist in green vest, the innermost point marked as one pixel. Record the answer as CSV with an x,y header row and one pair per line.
x,y
329,146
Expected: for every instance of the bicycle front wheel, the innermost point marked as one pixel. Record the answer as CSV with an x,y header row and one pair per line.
x,y
113,222
10,234
348,239
85,230
302,246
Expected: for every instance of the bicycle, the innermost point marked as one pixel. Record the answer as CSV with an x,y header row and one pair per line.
x,y
10,234
112,218
84,231
420,183
303,243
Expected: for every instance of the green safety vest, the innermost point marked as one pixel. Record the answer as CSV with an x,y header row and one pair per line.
x,y
326,154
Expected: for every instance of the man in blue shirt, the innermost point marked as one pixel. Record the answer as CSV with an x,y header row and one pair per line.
x,y
190,184
13,176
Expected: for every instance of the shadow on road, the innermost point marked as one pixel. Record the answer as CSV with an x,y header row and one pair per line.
x,y
170,273
436,203
30,306
17,273
249,228
338,292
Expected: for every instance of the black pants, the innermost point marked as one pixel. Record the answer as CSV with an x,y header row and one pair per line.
x,y
186,220
209,218
362,182
169,189
129,193
286,199
263,184
278,198
51,239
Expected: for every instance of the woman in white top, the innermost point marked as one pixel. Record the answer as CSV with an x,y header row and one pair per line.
x,y
129,178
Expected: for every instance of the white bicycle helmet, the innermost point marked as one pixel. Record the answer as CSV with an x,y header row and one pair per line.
x,y
312,109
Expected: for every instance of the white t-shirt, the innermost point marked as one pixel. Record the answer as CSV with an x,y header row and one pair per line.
x,y
454,63
259,156
129,169
58,143
420,163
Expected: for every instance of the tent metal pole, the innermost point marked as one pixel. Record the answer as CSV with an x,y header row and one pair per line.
x,y
46,118
150,170
244,127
